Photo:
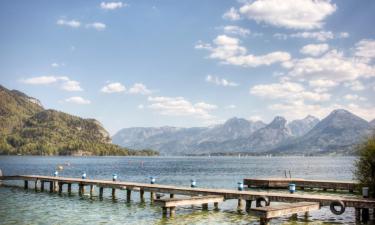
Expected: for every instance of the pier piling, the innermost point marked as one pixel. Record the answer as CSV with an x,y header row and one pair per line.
x,y
69,188
128,194
26,184
42,185
142,195
101,190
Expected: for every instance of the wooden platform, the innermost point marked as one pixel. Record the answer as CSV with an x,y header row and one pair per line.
x,y
300,183
323,200
268,212
172,203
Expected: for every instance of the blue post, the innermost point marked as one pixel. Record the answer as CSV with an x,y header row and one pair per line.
x,y
292,188
56,173
193,183
114,177
84,175
152,180
240,186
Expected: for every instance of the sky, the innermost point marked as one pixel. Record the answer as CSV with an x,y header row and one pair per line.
x,y
191,63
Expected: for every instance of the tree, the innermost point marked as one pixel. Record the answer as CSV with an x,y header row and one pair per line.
x,y
365,165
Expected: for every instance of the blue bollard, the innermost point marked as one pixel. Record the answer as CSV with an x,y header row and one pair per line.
x,y
240,186
193,183
292,188
56,173
114,177
84,175
152,180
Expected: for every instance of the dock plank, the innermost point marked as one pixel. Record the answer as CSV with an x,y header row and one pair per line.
x,y
269,212
196,200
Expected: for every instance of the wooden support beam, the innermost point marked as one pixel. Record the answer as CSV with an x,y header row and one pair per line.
x,y
216,205
50,186
42,185
248,205
152,196
239,204
172,211
101,190
81,189
128,194
60,187
69,188
26,184
365,215
165,210
36,185
205,206
91,191
113,192
171,195
357,214
142,195
264,221
294,216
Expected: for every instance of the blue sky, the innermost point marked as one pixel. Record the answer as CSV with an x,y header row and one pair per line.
x,y
191,63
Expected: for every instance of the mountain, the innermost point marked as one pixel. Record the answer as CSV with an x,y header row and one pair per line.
x,y
27,128
181,141
339,132
259,141
372,123
301,127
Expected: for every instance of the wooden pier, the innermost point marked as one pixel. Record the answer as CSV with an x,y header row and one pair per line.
x,y
300,183
57,183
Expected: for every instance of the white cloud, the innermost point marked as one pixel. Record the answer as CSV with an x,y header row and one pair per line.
x,y
139,88
355,85
64,82
318,35
236,30
354,97
112,5
115,87
314,49
97,26
343,35
255,118
140,106
78,100
320,83
220,81
71,85
365,48
287,91
331,66
232,14
229,51
69,23
179,106
55,65
301,14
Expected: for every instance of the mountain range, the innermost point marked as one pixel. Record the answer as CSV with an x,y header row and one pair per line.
x,y
27,128
338,133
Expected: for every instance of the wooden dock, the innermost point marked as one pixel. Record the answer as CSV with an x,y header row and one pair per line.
x,y
300,183
56,184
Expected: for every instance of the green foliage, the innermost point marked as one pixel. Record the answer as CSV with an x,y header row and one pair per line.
x,y
27,129
365,165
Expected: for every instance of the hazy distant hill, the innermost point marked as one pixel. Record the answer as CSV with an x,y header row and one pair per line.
x,y
301,127
372,123
27,128
339,132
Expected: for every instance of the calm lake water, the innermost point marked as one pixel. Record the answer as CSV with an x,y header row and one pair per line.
x,y
19,206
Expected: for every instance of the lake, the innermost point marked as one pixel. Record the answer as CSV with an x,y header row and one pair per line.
x,y
19,206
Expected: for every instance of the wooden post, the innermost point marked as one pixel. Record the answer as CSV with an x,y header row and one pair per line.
x,y
171,195
69,188
42,185
205,206
307,215
80,189
101,190
248,205
365,215
60,187
164,211
216,205
128,194
172,211
142,195
36,185
113,192
158,196
357,214
264,221
294,216
26,184
239,204
51,186
152,196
